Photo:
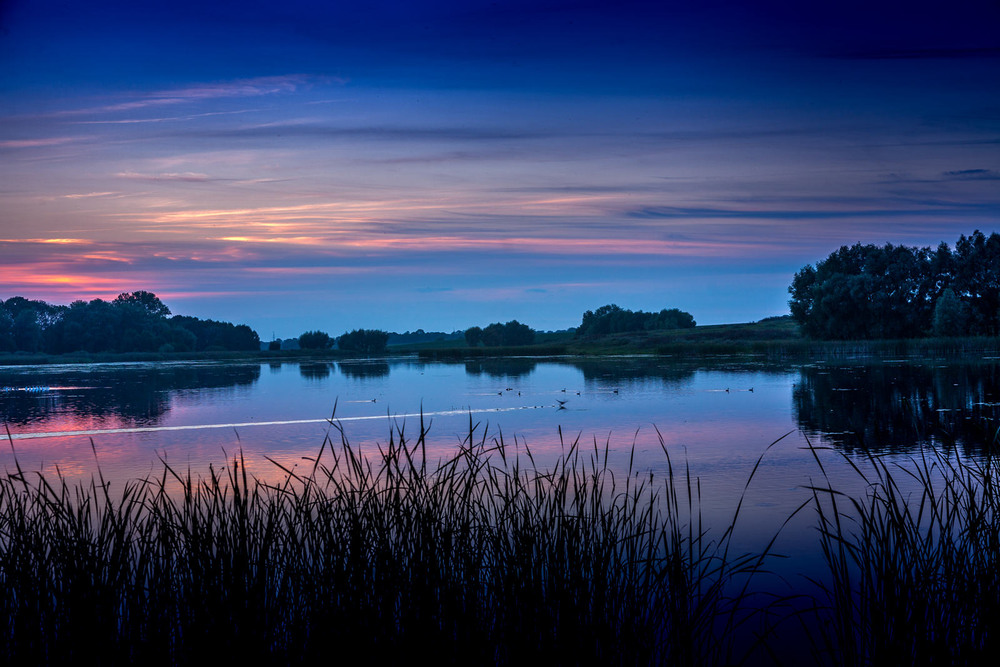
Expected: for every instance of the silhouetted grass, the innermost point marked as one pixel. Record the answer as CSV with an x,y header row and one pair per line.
x,y
488,557
485,557
914,564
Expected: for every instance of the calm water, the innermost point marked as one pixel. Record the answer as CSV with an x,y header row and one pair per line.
x,y
718,419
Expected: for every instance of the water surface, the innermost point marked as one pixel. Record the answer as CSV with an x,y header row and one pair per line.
x,y
714,420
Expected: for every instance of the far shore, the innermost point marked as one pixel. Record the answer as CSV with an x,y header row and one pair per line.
x,y
774,340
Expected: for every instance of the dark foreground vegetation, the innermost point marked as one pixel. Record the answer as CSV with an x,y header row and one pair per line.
x,y
488,558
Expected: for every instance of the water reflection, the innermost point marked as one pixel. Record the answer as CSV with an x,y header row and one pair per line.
x,y
317,370
501,368
626,369
364,369
895,407
890,407
119,395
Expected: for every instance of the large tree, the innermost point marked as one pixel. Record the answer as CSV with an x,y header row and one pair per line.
x,y
133,322
315,340
612,319
143,300
868,291
366,341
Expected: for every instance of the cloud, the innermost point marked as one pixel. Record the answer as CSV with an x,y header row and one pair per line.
x,y
254,87
973,175
185,177
377,133
934,207
37,143
88,195
163,119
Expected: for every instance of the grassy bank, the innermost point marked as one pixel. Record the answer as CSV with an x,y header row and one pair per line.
x,y
485,558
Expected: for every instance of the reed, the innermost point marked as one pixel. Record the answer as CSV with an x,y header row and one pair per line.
x,y
488,556
914,564
483,557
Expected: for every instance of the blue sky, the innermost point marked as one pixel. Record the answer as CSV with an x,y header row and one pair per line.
x,y
439,164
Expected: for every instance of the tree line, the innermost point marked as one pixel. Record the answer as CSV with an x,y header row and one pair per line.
x,y
873,292
511,334
132,322
611,319
365,341
605,320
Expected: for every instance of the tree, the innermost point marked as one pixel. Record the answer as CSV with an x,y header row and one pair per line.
x,y
864,291
612,319
366,341
977,280
951,317
27,331
670,319
473,336
146,301
6,330
315,340
493,335
515,333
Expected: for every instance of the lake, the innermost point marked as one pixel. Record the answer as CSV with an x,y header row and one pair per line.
x,y
718,418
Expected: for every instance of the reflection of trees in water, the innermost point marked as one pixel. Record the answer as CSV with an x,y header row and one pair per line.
x,y
364,369
137,396
605,372
315,370
895,407
501,367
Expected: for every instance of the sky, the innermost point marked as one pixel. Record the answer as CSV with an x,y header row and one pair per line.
x,y
438,165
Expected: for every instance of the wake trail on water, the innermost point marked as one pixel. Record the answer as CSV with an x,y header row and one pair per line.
x,y
286,422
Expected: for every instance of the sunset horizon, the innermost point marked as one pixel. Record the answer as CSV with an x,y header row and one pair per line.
x,y
440,165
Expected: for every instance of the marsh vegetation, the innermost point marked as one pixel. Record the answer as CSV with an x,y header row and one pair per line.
x,y
490,556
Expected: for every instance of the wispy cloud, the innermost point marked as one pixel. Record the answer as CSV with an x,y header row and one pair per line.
x,y
89,195
254,87
162,119
376,133
37,143
935,208
55,241
184,177
973,175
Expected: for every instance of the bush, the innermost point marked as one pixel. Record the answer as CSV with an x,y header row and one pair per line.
x,y
314,340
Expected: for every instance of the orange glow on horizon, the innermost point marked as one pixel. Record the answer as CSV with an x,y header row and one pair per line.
x,y
54,240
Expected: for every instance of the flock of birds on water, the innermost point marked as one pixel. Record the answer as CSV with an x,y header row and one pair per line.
x,y
561,403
